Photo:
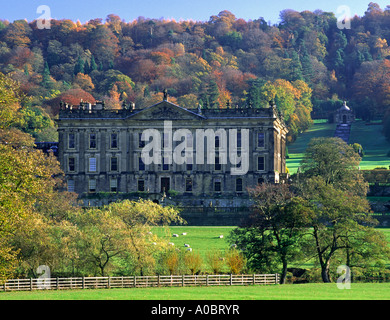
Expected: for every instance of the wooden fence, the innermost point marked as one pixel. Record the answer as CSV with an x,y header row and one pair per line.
x,y
137,282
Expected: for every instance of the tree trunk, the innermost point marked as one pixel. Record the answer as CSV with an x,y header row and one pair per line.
x,y
284,273
325,272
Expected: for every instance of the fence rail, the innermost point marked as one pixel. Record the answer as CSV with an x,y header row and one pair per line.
x,y
137,282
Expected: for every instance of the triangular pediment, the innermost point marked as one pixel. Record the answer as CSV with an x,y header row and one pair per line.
x,y
166,110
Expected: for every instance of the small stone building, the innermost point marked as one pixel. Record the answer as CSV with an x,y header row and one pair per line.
x,y
344,115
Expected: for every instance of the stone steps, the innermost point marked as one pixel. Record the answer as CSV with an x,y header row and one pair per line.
x,y
343,132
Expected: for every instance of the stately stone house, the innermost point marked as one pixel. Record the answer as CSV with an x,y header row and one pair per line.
x,y
167,149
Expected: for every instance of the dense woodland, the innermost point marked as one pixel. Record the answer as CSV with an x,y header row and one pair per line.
x,y
305,63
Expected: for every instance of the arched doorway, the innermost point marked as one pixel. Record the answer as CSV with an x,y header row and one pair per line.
x,y
344,119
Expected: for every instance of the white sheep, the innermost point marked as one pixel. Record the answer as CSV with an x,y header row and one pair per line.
x,y
221,236
175,235
184,234
189,249
186,245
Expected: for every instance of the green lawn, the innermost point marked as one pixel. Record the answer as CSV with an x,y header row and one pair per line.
x,y
201,239
316,291
374,145
297,149
369,136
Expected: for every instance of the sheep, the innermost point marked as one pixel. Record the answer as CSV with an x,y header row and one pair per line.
x,y
221,236
189,249
186,245
175,235
184,234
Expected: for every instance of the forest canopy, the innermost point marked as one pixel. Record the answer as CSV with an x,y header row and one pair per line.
x,y
305,63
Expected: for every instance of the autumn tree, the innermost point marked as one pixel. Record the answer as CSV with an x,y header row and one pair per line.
x,y
340,222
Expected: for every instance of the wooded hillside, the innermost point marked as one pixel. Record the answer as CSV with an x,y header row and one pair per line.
x,y
305,63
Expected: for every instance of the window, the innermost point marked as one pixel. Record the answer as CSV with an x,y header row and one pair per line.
x,y
141,143
92,141
239,139
141,164
71,164
71,141
260,164
141,185
165,165
239,185
92,185
217,165
92,164
113,185
217,185
189,163
165,140
216,142
189,140
70,185
188,185
260,140
114,141
114,164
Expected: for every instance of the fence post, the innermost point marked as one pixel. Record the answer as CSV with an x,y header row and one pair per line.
x,y
57,283
109,282
30,284
182,280
254,279
158,280
83,283
231,279
207,280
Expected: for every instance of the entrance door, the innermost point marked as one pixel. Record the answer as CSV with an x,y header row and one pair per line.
x,y
165,184
344,119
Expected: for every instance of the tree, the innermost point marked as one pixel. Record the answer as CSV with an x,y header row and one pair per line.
x,y
340,223
139,217
280,220
103,237
79,66
336,163
193,261
235,260
336,189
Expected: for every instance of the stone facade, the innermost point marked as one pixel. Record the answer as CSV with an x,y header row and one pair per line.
x,y
100,150
344,115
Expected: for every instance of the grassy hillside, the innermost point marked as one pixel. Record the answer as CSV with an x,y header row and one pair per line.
x,y
374,145
370,137
296,150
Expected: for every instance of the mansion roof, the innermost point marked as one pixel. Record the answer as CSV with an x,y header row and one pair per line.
x,y
163,110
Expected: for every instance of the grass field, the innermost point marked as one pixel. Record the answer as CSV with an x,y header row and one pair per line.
x,y
370,137
316,291
201,240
